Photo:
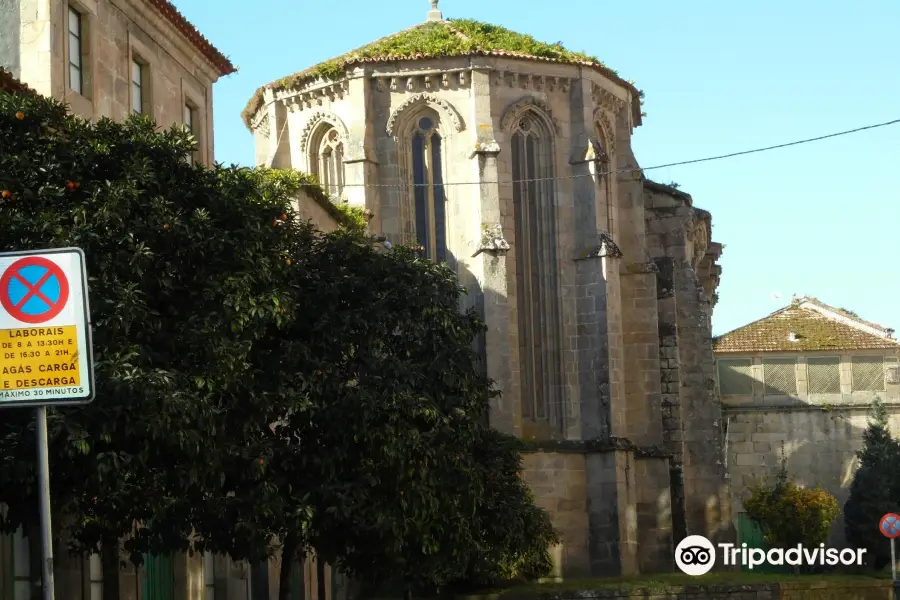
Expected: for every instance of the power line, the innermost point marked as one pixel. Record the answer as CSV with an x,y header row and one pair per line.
x,y
636,169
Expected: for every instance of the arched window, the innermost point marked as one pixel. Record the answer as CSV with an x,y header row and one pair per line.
x,y
326,160
428,188
536,269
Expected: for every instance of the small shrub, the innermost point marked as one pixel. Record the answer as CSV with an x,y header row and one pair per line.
x,y
790,514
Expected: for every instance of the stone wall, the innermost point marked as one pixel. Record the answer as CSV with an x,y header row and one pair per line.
x,y
820,433
693,430
820,447
114,32
10,32
858,589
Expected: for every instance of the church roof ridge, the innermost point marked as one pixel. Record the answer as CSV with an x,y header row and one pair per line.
x,y
440,39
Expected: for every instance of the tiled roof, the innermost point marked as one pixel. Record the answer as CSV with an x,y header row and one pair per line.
x,y
827,328
172,15
10,84
441,39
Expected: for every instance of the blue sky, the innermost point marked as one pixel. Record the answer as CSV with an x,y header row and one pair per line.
x,y
719,77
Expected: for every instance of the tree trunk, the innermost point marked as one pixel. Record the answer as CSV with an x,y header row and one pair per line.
x,y
109,559
285,577
320,580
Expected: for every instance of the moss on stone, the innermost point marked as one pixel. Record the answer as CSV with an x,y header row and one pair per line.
x,y
455,37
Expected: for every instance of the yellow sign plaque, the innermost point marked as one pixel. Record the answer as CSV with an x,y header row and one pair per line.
x,y
45,332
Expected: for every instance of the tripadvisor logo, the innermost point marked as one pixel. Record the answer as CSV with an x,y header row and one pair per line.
x,y
696,555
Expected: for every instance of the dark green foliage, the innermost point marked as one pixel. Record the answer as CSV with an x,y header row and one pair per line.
x,y
875,490
186,271
257,381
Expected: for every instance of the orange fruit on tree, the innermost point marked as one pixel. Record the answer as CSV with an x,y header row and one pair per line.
x,y
20,115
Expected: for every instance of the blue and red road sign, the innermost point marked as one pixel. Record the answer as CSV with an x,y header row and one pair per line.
x,y
889,526
34,290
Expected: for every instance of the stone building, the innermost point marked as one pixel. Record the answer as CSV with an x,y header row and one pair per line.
x,y
512,161
111,58
803,379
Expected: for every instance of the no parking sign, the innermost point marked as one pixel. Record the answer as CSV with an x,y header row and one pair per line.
x,y
45,334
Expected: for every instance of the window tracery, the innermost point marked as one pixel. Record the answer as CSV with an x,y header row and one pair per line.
x,y
428,199
326,160
534,202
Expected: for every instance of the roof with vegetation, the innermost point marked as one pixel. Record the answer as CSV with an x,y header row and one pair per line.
x,y
439,39
815,326
173,16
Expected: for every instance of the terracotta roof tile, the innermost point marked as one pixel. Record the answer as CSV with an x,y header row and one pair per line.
x,y
168,10
10,84
813,331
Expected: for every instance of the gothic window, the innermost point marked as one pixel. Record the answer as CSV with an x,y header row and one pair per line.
x,y
535,251
327,161
428,189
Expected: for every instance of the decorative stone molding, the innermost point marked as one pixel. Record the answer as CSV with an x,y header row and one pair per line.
x,y
444,108
317,118
607,248
528,103
529,81
261,123
607,100
298,100
489,148
608,131
492,240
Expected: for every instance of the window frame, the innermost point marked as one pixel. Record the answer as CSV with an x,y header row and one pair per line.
x,y
428,195
779,360
189,118
534,200
143,86
810,360
746,361
78,52
860,358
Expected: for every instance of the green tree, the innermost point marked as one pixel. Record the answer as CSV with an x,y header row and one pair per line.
x,y
875,490
407,482
187,270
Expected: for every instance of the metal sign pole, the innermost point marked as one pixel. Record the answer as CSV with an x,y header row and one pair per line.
x,y
44,488
893,562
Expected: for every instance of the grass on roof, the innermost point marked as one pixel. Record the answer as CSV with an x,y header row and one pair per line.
x,y
454,37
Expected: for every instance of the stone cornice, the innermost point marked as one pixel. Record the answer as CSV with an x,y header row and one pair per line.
x,y
167,30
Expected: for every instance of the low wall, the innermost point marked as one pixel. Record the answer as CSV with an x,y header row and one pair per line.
x,y
820,447
801,590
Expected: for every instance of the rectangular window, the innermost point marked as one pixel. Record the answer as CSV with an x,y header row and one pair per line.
x,y
76,78
95,571
780,376
867,373
736,377
189,125
138,72
824,374
22,585
209,576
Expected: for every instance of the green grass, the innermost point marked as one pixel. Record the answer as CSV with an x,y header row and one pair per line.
x,y
454,37
664,582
